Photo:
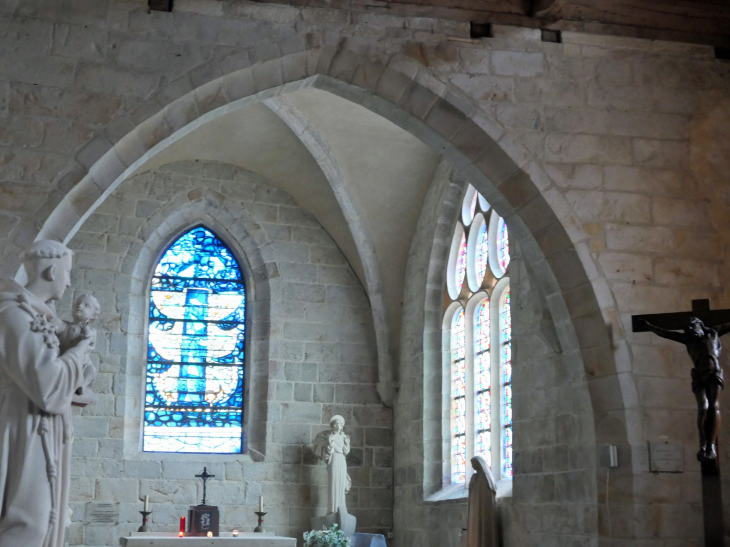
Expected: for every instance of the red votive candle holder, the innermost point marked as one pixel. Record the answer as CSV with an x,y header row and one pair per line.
x,y
182,526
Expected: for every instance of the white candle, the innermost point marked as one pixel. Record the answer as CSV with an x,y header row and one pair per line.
x,y
261,504
146,503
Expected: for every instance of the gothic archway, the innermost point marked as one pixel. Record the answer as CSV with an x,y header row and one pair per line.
x,y
409,96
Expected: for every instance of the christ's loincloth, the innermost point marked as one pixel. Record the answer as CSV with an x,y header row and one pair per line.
x,y
700,380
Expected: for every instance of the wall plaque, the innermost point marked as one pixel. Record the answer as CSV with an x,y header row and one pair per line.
x,y
666,457
102,513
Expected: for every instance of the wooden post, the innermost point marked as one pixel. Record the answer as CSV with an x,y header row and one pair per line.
x,y
712,510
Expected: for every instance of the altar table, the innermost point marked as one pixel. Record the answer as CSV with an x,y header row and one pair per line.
x,y
244,539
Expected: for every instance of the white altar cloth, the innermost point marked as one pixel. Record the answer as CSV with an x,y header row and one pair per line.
x,y
170,539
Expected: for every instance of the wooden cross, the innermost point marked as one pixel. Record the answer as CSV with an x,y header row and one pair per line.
x,y
678,320
205,476
711,486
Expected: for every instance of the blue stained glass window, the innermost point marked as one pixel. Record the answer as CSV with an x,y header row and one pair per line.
x,y
194,384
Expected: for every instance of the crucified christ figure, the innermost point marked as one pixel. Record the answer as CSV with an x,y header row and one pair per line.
x,y
703,346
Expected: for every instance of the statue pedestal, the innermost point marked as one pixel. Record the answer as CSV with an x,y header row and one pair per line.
x,y
344,521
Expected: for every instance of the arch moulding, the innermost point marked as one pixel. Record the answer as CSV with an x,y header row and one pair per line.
x,y
408,95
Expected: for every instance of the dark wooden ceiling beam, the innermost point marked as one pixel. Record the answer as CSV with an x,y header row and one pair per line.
x,y
498,6
701,22
679,15
547,9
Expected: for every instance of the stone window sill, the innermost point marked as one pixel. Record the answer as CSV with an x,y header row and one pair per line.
x,y
458,493
454,493
192,456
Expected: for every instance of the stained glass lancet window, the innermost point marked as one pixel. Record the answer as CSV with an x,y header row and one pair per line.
x,y
460,264
480,372
506,366
503,245
195,364
482,250
458,397
483,381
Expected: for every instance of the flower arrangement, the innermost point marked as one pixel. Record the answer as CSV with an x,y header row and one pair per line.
x,y
326,538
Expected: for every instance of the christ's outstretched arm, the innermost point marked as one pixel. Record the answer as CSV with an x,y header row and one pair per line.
x,y
664,333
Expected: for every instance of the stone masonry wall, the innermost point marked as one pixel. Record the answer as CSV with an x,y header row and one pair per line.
x,y
555,489
321,362
626,140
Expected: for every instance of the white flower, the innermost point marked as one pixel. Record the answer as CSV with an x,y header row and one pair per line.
x,y
326,538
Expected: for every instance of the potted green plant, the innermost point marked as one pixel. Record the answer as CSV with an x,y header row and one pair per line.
x,y
326,538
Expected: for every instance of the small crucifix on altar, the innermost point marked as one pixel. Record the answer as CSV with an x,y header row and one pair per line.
x,y
700,331
205,476
204,518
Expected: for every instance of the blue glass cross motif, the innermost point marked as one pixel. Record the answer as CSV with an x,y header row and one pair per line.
x,y
192,377
194,394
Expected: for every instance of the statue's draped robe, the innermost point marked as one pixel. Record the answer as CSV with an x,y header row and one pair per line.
x,y
339,481
481,525
36,388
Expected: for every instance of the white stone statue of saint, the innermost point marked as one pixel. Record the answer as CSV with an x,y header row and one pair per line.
x,y
332,447
38,382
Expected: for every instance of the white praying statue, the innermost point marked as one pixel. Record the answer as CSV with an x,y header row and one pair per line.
x,y
332,447
38,382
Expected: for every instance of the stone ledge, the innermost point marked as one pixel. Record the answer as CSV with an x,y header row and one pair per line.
x,y
458,493
452,493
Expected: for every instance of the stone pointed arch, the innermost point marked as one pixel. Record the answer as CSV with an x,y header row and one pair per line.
x,y
408,95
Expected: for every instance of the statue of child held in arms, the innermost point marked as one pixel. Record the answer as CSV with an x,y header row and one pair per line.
x,y
86,310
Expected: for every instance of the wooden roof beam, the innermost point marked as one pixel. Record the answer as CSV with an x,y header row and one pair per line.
x,y
547,9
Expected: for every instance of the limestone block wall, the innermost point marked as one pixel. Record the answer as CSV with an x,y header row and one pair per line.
x,y
311,356
557,476
625,139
